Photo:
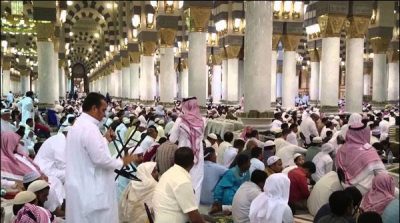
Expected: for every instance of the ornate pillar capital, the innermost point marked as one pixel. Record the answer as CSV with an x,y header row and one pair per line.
x,y
134,57
393,55
275,41
216,59
45,32
167,37
232,51
198,18
25,72
61,63
184,64
314,55
125,61
148,48
379,44
331,25
6,63
290,42
56,42
357,26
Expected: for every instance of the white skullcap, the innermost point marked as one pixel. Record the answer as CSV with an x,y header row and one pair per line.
x,y
131,115
23,197
212,136
30,177
296,155
37,185
5,111
335,122
337,117
269,143
161,122
355,120
156,120
126,120
271,160
115,119
317,139
65,128
276,130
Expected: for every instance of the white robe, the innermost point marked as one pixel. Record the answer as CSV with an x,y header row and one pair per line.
x,y
7,126
26,107
90,187
51,157
178,133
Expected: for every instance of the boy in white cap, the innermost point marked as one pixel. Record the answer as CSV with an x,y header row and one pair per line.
x,y
6,125
274,165
41,189
211,141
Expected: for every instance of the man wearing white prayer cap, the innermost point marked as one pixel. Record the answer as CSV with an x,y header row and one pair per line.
x,y
20,200
269,150
41,189
5,121
274,165
212,140
122,128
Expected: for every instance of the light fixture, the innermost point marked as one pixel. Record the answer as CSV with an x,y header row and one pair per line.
x,y
134,33
180,4
17,60
150,19
109,5
90,49
111,48
313,31
221,25
126,41
135,21
4,44
371,55
71,33
297,8
63,15
69,3
96,35
277,8
236,24
169,3
287,7
169,6
154,4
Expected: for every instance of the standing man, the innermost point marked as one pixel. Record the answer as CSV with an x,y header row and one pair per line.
x,y
90,187
10,98
26,106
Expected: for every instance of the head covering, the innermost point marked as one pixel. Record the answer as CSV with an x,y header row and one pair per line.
x,y
380,194
126,120
5,111
356,153
37,185
296,155
212,136
355,120
11,167
270,205
139,189
40,214
317,139
23,197
246,130
192,118
271,160
269,143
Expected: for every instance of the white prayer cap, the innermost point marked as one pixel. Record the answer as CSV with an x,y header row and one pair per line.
x,y
355,120
156,120
212,136
37,185
317,139
296,155
131,115
65,128
269,143
335,122
337,117
160,122
271,160
331,116
115,119
23,197
5,111
30,177
126,120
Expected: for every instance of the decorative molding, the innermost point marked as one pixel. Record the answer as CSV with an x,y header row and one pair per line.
x,y
232,51
167,37
291,42
379,44
275,41
357,26
314,55
331,25
393,55
45,32
198,18
148,48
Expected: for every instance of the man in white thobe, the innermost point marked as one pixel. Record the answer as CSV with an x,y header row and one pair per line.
x,y
90,188
26,106
308,127
6,125
51,155
10,98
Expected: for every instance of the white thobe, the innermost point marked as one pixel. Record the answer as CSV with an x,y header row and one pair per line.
x,y
292,138
121,130
180,132
308,127
10,97
7,126
276,124
51,157
90,188
323,164
384,126
221,151
286,154
26,107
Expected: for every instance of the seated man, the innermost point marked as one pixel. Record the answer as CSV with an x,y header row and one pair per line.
x,y
299,191
256,160
274,165
341,206
230,183
314,149
246,194
174,199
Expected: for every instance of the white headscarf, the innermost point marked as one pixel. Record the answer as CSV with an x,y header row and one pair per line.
x,y
270,205
139,189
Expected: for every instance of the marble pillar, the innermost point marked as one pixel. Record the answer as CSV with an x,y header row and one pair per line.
x,y
197,67
329,67
6,81
48,93
134,72
224,87
354,74
216,83
274,59
379,71
314,76
61,73
55,69
393,75
241,78
257,55
25,82
367,84
289,77
232,53
147,78
126,82
167,78
184,82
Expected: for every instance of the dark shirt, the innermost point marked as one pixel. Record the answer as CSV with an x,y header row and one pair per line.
x,y
324,211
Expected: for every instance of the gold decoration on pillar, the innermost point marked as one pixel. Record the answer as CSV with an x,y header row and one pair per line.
x,y
167,37
275,40
61,63
357,26
6,64
331,25
290,42
125,61
197,18
222,54
184,64
314,55
393,55
216,59
379,44
148,48
134,57
45,32
25,72
118,64
56,42
232,51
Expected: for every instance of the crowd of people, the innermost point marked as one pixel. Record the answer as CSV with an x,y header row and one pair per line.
x,y
97,159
